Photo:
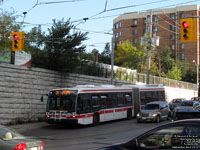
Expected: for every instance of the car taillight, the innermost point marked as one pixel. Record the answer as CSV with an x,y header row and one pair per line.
x,y
21,146
42,145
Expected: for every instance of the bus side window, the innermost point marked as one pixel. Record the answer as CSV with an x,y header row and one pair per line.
x,y
128,99
155,96
104,98
83,105
111,102
142,98
161,95
96,103
120,100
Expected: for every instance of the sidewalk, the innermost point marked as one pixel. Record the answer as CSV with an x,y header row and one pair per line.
x,y
27,126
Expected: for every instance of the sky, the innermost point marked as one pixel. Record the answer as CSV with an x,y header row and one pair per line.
x,y
100,14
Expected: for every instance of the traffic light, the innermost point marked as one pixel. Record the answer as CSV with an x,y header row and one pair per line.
x,y
18,41
189,30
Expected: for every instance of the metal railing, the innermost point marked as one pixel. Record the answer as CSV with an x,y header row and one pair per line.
x,y
122,74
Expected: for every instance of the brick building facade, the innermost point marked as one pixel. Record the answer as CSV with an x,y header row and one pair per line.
x,y
165,24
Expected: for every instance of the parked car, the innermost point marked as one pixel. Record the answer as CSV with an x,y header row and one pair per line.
x,y
183,134
186,110
175,102
154,111
12,140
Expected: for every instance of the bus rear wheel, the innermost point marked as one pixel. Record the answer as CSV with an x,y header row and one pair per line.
x,y
96,119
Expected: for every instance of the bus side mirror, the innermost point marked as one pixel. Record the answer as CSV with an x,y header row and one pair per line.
x,y
42,99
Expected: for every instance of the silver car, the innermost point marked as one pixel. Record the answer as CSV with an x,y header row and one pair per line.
x,y
154,111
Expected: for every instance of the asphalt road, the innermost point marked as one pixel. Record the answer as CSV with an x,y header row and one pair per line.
x,y
63,137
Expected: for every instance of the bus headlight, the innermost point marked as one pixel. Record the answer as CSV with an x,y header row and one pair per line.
x,y
138,115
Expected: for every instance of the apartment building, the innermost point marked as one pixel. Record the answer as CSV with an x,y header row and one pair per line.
x,y
165,24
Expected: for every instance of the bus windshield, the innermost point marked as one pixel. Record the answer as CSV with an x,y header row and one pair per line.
x,y
63,102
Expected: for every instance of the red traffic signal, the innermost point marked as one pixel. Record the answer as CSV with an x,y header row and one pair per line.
x,y
15,36
185,24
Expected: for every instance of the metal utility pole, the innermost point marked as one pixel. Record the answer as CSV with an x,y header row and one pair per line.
x,y
149,49
112,62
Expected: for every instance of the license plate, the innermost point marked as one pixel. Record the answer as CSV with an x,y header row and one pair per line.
x,y
143,117
34,148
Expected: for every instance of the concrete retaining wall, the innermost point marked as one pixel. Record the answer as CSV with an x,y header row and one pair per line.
x,y
21,89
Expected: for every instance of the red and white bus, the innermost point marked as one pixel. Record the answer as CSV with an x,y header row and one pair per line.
x,y
89,104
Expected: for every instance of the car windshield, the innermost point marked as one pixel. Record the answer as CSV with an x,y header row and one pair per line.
x,y
9,134
187,103
151,106
176,101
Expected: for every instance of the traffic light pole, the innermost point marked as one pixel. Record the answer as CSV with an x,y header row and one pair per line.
x,y
149,49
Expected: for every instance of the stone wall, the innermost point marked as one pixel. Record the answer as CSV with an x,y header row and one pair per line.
x,y
21,89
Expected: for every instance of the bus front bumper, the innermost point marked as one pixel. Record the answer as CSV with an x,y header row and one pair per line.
x,y
64,121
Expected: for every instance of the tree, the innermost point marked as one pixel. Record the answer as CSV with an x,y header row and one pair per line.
x,y
167,60
126,55
105,56
7,26
34,44
62,49
175,73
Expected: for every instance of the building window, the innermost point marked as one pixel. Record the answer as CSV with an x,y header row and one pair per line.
x,y
135,31
172,27
118,34
117,25
134,22
148,19
172,37
182,56
172,47
134,41
155,18
155,29
144,21
181,15
172,16
181,46
148,29
144,31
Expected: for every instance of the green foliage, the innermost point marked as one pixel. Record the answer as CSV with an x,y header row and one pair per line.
x,y
126,55
174,73
7,26
105,56
61,48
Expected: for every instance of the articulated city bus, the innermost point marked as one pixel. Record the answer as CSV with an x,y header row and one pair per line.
x,y
89,104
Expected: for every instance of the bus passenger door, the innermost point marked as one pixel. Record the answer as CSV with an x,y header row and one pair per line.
x,y
98,106
120,112
111,104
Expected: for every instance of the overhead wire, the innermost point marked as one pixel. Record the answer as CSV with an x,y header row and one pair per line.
x,y
93,17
